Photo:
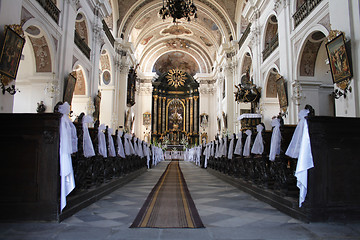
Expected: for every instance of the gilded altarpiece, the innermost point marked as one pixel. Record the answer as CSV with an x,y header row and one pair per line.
x,y
175,107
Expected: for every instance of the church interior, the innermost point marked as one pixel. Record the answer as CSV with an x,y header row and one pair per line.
x,y
222,115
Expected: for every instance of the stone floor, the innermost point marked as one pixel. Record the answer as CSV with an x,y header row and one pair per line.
x,y
227,213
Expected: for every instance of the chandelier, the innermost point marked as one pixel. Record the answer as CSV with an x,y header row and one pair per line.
x,y
178,9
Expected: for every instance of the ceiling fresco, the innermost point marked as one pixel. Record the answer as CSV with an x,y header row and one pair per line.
x,y
176,59
154,39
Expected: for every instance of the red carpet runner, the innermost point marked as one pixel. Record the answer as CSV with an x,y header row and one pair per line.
x,y
169,205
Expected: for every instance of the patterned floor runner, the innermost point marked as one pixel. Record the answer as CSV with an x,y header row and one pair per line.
x,y
169,205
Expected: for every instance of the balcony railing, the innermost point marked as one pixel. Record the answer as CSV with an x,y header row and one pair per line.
x,y
84,48
108,33
51,8
244,36
271,46
304,10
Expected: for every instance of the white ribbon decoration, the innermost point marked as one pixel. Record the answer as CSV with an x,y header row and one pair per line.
x,y
68,145
120,147
102,141
246,152
238,146
305,162
275,139
87,143
231,148
112,152
294,146
258,146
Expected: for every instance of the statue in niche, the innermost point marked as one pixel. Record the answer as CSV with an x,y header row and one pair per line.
x,y
97,101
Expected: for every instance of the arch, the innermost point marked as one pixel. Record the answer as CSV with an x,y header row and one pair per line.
x,y
270,90
36,69
153,53
46,34
140,8
270,36
82,26
106,69
185,62
303,41
81,81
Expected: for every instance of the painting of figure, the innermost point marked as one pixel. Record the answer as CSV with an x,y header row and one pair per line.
x,y
11,53
338,59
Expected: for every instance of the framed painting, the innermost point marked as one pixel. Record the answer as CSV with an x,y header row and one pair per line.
x,y
282,92
70,83
338,59
11,53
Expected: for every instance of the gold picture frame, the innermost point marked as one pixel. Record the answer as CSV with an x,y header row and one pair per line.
x,y
338,59
11,53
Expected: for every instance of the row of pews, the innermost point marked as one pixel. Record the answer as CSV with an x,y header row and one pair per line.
x,y
333,184
258,169
96,170
30,169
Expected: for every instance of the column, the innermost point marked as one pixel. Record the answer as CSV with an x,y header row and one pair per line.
x,y
191,115
196,114
187,116
159,116
163,114
155,98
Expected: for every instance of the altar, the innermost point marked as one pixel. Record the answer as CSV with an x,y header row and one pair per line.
x,y
249,121
174,155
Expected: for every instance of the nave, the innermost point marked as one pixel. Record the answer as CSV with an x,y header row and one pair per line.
x,y
226,212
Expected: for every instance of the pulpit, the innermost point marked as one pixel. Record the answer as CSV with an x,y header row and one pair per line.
x,y
249,121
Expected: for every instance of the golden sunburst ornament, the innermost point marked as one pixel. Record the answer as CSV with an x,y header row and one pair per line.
x,y
176,78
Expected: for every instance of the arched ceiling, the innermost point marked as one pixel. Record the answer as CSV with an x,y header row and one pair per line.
x,y
159,42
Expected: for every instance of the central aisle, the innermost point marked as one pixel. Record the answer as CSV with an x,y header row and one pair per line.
x,y
226,212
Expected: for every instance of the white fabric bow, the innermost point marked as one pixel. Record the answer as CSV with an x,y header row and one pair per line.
x,y
68,145
146,151
294,146
258,146
275,139
112,152
102,141
246,152
120,148
212,153
238,146
87,143
129,149
305,162
231,148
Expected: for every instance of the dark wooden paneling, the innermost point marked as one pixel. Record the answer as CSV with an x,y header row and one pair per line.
x,y
29,145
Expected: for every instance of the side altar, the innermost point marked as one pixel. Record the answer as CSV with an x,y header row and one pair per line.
x,y
249,121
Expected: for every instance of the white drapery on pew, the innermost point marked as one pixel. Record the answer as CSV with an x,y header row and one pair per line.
x,y
231,147
68,145
87,143
102,141
238,147
246,151
129,149
112,152
120,148
275,139
146,152
300,148
258,146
